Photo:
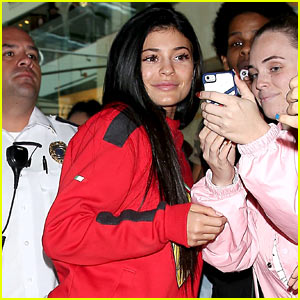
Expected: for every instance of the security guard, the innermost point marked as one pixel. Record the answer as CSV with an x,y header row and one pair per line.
x,y
33,148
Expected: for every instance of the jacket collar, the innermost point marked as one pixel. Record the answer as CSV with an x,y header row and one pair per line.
x,y
38,118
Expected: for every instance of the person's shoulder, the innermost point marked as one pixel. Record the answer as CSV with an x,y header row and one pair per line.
x,y
118,124
58,121
62,120
62,127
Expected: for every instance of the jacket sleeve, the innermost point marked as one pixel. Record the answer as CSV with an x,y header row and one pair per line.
x,y
92,220
236,248
269,169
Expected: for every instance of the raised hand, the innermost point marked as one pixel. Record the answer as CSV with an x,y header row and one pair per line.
x,y
219,153
291,118
237,119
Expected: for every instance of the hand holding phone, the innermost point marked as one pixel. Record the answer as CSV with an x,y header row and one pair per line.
x,y
222,82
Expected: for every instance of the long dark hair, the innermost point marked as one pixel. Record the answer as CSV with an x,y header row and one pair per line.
x,y
123,83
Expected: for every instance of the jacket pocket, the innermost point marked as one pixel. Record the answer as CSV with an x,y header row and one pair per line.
x,y
125,288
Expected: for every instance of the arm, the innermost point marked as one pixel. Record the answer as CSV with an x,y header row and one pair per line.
x,y
90,220
97,219
234,249
269,170
240,121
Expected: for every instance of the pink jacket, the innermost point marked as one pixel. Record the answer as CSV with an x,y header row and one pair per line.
x,y
262,211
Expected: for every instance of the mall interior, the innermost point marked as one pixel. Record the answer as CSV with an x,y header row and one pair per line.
x,y
74,39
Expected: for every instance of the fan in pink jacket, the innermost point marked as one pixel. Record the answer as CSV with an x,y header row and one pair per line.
x,y
259,197
262,228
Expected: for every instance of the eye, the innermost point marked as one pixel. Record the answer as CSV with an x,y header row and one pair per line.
x,y
182,57
32,56
151,58
253,76
237,44
275,69
8,53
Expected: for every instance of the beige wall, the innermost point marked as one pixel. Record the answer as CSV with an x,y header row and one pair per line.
x,y
201,15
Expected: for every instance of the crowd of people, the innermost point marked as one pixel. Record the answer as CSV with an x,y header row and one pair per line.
x,y
112,208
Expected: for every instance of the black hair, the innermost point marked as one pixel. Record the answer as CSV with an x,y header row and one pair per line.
x,y
287,25
228,11
123,83
90,107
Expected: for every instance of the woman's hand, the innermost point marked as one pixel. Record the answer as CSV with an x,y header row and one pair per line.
x,y
237,119
220,156
203,225
293,282
291,118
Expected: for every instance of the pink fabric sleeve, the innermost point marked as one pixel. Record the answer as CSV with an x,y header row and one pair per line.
x,y
269,169
236,248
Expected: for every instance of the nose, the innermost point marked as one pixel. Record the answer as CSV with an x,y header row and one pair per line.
x,y
167,68
261,81
245,51
25,61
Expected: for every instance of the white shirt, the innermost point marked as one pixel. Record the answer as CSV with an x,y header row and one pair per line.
x,y
26,271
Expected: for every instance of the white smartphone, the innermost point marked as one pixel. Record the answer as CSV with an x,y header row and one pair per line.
x,y
222,82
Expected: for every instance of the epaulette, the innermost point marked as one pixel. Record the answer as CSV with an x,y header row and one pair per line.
x,y
59,119
120,129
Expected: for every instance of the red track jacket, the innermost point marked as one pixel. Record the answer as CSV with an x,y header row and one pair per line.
x,y
104,240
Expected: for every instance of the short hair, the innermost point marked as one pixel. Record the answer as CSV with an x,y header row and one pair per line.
x,y
90,107
24,31
228,11
287,25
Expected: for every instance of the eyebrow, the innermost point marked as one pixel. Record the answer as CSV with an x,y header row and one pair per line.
x,y
268,59
272,57
15,46
157,49
239,32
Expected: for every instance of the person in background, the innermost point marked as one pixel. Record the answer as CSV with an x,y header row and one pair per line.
x,y
259,197
122,224
234,28
33,148
82,111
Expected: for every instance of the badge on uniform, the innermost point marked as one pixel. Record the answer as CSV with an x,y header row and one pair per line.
x,y
57,151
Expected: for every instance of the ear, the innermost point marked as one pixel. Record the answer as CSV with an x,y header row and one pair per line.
x,y
225,63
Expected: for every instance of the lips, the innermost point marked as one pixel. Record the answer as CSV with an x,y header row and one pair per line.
x,y
166,86
266,97
25,73
243,65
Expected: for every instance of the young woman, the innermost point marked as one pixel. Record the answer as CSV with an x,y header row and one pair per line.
x,y
259,197
122,224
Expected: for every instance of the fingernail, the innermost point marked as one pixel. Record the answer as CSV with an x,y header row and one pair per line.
x,y
219,214
277,117
198,94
